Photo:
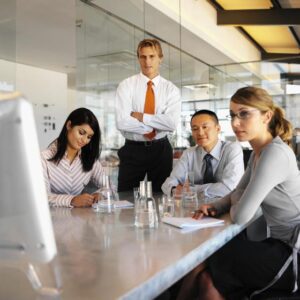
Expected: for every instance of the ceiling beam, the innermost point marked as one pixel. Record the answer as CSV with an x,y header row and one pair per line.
x,y
217,6
281,57
251,39
290,76
276,4
274,16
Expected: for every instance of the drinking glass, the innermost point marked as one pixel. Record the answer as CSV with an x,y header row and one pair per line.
x,y
166,206
136,195
145,214
202,197
176,195
191,178
107,202
205,199
190,200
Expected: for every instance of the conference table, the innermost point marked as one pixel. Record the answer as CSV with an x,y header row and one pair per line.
x,y
104,256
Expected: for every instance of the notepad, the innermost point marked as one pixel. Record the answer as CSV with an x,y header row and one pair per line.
x,y
123,204
204,222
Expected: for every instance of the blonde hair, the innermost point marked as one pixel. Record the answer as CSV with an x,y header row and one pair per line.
x,y
261,100
152,43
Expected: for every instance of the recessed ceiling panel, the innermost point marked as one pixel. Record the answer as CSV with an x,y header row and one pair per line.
x,y
245,4
274,39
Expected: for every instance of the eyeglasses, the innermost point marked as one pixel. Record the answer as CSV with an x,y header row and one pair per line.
x,y
242,115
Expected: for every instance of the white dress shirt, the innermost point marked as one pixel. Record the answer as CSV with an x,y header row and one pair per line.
x,y
227,163
130,97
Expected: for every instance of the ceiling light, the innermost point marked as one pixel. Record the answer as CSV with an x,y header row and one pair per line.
x,y
199,86
292,89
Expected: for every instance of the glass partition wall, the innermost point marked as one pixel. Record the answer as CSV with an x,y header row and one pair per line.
x,y
107,38
106,54
94,49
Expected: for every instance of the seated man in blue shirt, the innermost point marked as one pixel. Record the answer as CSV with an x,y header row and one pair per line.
x,y
217,165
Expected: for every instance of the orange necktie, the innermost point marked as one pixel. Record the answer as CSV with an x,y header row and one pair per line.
x,y
149,107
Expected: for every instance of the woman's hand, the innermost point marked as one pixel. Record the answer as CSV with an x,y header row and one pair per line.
x,y
84,200
205,210
97,197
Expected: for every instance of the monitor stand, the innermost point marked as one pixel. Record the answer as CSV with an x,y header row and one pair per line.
x,y
44,278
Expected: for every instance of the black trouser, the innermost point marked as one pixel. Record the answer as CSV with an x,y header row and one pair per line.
x,y
137,159
242,266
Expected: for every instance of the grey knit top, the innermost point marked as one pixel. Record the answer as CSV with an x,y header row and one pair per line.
x,y
272,184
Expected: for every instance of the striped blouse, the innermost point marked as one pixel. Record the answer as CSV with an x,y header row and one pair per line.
x,y
65,181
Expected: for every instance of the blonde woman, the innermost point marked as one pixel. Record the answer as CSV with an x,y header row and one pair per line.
x,y
272,182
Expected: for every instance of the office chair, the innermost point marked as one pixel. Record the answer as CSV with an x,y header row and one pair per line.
x,y
265,294
246,154
277,295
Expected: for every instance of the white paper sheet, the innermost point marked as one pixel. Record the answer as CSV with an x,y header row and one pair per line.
x,y
123,204
190,222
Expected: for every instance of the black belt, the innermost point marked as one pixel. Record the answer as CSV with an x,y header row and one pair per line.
x,y
145,143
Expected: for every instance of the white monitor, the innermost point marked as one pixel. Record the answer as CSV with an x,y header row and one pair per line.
x,y
26,231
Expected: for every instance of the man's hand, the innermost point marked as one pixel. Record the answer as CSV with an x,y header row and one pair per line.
x,y
186,186
137,115
179,189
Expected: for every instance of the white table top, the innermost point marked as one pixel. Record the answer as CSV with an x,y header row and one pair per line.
x,y
103,256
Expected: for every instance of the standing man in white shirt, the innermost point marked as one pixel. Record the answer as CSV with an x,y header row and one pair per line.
x,y
147,109
217,166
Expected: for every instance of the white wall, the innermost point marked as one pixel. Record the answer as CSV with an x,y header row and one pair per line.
x,y
7,76
46,90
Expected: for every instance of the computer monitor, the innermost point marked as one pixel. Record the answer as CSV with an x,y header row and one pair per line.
x,y
26,231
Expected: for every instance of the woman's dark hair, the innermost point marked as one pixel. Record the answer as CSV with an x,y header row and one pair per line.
x,y
90,152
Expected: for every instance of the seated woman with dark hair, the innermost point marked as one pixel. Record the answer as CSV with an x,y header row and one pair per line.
x,y
72,161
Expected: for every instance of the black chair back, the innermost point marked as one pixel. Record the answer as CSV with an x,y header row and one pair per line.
x,y
246,153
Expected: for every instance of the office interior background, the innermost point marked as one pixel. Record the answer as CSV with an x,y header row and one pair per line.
x,y
64,54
